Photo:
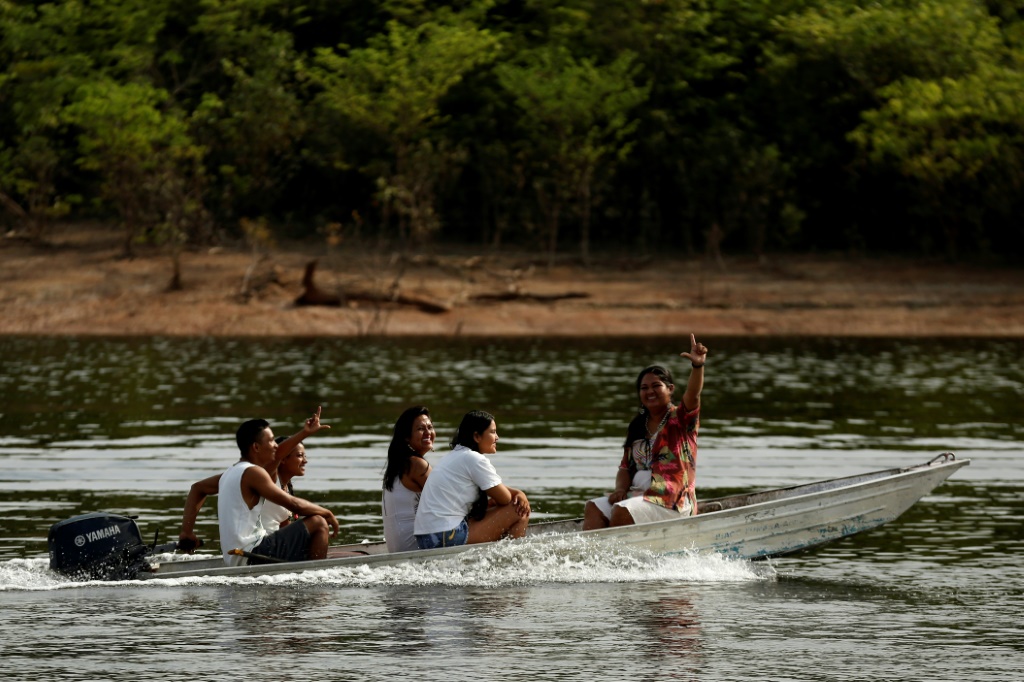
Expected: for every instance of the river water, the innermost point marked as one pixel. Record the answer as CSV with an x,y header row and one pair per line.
x,y
127,424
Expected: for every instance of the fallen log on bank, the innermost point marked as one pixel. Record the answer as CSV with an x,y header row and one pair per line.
x,y
314,295
527,297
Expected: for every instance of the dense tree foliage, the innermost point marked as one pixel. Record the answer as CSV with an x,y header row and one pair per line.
x,y
747,126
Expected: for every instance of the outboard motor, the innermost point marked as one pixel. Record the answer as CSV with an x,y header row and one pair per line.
x,y
97,546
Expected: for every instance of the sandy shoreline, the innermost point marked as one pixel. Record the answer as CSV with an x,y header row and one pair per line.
x,y
78,285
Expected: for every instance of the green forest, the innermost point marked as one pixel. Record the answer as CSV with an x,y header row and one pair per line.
x,y
573,128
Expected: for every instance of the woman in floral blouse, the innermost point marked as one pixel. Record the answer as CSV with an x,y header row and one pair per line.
x,y
656,476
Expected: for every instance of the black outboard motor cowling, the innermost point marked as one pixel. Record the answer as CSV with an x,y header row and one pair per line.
x,y
97,546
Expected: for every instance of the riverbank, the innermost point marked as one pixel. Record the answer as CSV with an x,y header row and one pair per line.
x,y
80,285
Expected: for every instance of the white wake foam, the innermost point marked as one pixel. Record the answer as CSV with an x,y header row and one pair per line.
x,y
568,559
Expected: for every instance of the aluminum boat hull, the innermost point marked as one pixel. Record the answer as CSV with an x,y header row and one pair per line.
x,y
749,526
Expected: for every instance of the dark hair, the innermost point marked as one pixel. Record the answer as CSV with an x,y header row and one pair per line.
x,y
638,426
248,433
656,370
473,423
399,452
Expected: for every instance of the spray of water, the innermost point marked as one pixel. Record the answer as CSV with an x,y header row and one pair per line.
x,y
568,559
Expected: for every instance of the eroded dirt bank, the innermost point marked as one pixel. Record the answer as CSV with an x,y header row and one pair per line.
x,y
79,284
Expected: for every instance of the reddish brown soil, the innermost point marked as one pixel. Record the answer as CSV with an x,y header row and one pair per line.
x,y
79,284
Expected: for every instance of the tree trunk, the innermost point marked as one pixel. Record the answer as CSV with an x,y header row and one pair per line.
x,y
585,205
551,207
713,245
553,221
175,283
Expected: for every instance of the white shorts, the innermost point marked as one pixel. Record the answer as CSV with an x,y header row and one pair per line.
x,y
640,509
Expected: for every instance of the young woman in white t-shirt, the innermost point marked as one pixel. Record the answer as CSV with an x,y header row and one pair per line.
x,y
455,482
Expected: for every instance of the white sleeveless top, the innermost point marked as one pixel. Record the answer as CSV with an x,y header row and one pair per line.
x,y
398,507
240,527
273,515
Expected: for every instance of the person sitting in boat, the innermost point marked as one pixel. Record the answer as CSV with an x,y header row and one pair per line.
x,y
289,462
656,476
442,519
404,476
242,490
289,466
286,466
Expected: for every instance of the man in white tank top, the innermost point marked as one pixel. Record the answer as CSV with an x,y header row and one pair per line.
x,y
242,490
200,490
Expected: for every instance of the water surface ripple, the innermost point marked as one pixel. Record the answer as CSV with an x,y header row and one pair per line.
x,y
126,424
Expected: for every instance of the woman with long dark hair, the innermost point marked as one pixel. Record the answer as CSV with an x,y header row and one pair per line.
x,y
443,518
404,476
657,473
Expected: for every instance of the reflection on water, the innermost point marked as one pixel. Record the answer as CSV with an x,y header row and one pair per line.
x,y
266,620
672,625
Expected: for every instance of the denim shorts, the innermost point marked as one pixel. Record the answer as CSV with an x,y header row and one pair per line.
x,y
448,538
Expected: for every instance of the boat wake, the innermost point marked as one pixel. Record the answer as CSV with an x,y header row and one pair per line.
x,y
568,559
30,574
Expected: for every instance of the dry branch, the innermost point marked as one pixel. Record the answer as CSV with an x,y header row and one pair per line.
x,y
529,298
314,295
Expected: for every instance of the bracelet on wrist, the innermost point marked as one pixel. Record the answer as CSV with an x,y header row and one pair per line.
x,y
695,366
